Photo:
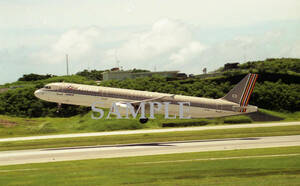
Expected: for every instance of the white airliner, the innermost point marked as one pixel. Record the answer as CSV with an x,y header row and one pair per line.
x,y
234,103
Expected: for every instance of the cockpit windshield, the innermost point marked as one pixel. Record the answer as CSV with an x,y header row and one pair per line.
x,y
47,87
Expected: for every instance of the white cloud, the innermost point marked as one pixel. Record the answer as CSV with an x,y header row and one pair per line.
x,y
244,48
168,41
78,43
191,51
169,45
136,12
209,33
166,35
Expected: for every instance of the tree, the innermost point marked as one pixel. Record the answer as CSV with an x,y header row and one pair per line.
x,y
34,77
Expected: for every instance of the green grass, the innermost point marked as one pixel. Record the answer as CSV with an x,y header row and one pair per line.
x,y
151,170
151,137
84,123
237,119
76,124
16,126
287,116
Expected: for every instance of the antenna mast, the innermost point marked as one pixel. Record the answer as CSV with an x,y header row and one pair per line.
x,y
67,63
117,60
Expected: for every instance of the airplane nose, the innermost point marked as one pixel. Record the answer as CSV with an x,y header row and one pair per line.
x,y
37,93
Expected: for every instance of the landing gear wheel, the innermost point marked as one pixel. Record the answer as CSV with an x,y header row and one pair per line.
x,y
143,120
58,107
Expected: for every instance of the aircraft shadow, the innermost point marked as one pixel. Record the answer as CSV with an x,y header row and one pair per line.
x,y
161,144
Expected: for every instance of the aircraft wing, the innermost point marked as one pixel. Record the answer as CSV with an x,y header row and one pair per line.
x,y
137,103
134,103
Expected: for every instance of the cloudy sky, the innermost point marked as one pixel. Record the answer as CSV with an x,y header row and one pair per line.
x,y
150,34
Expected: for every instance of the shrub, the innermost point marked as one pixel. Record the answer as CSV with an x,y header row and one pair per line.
x,y
186,124
125,124
237,119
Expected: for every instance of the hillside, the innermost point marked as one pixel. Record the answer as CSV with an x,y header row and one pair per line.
x,y
280,66
277,89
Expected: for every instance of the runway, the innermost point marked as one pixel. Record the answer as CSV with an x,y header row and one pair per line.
x,y
128,150
144,131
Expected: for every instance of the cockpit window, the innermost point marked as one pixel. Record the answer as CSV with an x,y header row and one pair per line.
x,y
47,87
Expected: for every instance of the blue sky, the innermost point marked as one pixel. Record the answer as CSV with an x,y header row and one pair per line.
x,y
166,35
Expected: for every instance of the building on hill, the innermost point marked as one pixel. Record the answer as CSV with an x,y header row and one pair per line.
x,y
115,69
230,66
181,76
3,90
121,75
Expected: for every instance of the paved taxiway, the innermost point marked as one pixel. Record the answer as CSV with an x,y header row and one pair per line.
x,y
143,131
92,152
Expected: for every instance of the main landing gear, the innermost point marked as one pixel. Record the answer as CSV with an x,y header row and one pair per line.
x,y
143,120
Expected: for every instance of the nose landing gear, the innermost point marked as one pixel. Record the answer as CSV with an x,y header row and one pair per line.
x,y
58,107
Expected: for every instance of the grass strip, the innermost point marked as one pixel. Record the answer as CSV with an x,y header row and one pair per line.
x,y
17,126
151,137
267,170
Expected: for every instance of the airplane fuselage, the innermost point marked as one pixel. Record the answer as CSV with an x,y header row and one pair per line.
x,y
87,95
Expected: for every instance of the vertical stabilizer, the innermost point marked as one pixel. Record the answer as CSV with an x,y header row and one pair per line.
x,y
241,93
